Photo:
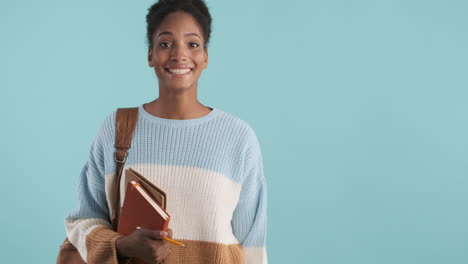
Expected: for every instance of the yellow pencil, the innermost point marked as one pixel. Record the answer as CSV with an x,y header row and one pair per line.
x,y
174,242
169,240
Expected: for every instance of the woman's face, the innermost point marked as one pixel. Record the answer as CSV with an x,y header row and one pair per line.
x,y
178,54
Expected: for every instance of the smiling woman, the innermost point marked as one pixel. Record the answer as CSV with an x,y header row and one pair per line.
x,y
178,33
208,161
179,55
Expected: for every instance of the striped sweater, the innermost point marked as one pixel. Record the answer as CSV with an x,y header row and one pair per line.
x,y
211,169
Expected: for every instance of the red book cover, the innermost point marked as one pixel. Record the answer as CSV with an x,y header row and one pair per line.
x,y
141,210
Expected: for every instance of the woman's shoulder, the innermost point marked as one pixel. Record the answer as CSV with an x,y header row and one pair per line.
x,y
106,129
241,125
108,121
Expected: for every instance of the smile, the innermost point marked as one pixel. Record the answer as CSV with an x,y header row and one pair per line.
x,y
178,71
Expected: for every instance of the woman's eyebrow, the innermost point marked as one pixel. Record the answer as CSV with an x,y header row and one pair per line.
x,y
192,34
186,35
164,33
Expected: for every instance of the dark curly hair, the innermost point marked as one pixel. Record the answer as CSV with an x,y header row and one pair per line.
x,y
158,11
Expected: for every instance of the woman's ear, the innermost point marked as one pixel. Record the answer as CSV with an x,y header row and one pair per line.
x,y
150,59
205,63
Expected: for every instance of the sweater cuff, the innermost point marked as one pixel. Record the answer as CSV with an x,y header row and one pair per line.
x,y
100,245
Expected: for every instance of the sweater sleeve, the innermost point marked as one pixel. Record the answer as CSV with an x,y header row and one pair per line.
x,y
88,226
250,216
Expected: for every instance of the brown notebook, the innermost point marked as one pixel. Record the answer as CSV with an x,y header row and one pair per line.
x,y
141,210
155,192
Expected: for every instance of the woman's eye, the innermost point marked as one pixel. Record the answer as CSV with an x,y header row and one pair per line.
x,y
194,45
164,44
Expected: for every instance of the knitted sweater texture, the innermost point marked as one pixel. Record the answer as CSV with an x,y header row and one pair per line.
x,y
212,172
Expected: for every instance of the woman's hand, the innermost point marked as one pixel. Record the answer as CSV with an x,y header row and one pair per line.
x,y
145,244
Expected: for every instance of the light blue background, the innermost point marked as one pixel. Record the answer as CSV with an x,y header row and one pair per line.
x,y
361,109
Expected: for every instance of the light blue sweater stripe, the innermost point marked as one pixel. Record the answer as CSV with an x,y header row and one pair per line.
x,y
217,141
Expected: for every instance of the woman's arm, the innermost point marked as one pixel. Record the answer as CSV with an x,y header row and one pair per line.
x,y
88,225
250,217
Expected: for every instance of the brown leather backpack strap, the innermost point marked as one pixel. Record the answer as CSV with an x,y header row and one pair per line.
x,y
126,119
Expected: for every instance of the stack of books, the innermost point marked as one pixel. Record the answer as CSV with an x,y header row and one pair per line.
x,y
143,207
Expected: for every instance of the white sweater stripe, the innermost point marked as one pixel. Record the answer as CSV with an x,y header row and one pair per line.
x,y
201,202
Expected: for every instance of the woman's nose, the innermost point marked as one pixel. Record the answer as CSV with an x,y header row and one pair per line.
x,y
178,53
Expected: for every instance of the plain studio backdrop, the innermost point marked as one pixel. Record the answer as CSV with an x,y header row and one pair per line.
x,y
360,107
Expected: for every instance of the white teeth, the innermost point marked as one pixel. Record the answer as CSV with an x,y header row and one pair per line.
x,y
179,71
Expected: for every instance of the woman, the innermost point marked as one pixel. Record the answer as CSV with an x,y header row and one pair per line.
x,y
208,161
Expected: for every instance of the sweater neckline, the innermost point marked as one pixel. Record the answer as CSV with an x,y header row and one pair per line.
x,y
177,122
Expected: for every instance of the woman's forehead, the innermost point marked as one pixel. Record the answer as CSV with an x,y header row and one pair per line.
x,y
179,22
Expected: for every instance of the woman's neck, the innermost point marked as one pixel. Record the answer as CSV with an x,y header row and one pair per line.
x,y
176,108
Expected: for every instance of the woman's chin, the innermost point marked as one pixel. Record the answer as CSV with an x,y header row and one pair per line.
x,y
179,87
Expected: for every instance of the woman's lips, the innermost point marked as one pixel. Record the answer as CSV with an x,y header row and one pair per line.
x,y
182,72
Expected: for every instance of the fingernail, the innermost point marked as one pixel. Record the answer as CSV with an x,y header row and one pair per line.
x,y
163,233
